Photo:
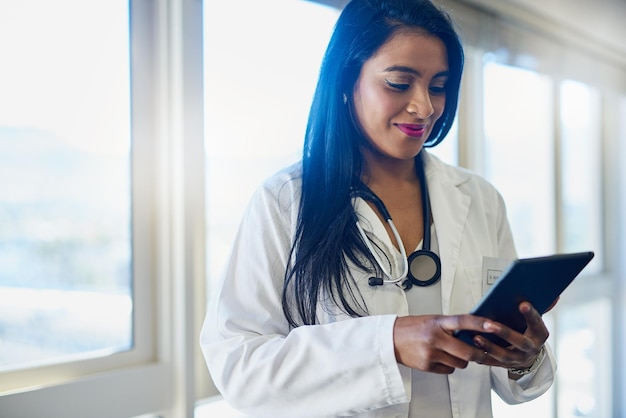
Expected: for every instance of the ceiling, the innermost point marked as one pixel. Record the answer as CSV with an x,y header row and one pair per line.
x,y
595,23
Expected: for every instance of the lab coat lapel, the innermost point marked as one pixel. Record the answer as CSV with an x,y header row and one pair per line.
x,y
450,208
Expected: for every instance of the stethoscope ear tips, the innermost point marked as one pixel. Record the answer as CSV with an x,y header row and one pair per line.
x,y
376,281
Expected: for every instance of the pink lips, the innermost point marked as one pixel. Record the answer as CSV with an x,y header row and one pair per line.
x,y
411,129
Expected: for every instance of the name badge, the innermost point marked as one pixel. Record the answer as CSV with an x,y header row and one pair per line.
x,y
492,270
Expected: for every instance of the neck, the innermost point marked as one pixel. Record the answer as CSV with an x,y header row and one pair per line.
x,y
386,172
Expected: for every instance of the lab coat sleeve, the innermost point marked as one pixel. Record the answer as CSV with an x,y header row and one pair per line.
x,y
265,369
528,387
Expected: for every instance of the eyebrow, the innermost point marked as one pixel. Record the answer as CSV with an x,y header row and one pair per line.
x,y
410,70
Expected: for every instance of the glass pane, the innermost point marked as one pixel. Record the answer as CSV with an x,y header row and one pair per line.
x,y
258,91
519,152
581,187
65,242
584,377
541,407
448,149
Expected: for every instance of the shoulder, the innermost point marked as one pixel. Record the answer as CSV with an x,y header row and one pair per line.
x,y
461,178
285,184
290,176
279,194
451,174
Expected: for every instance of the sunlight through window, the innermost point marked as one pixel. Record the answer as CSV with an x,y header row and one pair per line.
x,y
65,244
259,84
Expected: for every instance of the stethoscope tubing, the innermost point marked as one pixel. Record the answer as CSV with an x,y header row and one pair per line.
x,y
396,234
361,190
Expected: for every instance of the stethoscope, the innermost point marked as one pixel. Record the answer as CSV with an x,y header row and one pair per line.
x,y
422,267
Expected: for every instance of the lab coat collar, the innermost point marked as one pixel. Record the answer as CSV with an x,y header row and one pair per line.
x,y
450,209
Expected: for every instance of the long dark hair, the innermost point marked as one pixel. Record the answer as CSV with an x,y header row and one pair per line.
x,y
326,238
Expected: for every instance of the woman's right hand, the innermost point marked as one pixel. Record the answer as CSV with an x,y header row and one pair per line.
x,y
427,342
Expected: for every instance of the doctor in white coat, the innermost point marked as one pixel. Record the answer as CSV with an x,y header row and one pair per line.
x,y
322,310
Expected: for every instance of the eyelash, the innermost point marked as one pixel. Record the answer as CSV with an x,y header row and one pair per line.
x,y
438,90
404,87
396,86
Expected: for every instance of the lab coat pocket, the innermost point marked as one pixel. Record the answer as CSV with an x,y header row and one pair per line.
x,y
466,291
474,278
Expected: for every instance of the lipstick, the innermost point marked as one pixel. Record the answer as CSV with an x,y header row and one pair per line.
x,y
412,129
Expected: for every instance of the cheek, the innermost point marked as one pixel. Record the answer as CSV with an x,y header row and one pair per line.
x,y
362,105
375,106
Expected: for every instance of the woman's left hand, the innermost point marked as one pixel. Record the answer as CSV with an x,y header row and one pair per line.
x,y
524,348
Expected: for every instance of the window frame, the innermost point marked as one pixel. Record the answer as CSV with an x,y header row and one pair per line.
x,y
160,374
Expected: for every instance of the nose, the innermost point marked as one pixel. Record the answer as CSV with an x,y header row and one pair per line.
x,y
420,105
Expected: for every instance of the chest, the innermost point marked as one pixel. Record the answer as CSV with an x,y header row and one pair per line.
x,y
406,211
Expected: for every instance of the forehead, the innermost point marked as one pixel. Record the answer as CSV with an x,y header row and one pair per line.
x,y
412,48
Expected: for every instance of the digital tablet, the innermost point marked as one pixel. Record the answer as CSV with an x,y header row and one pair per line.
x,y
538,280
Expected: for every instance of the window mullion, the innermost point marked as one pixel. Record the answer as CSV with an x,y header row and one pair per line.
x,y
558,167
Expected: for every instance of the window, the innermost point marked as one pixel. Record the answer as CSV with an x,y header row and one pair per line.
x,y
519,152
580,175
91,311
258,90
543,147
583,382
65,236
65,202
448,149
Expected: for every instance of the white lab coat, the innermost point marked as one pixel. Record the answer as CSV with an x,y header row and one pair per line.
x,y
346,366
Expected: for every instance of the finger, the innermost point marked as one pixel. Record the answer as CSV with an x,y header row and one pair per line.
x,y
516,340
458,348
466,322
534,336
457,353
507,357
536,328
484,349
442,369
530,313
422,343
453,361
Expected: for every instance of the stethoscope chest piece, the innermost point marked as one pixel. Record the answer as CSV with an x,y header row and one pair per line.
x,y
424,268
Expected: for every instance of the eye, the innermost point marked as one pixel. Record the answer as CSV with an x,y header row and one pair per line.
x,y
439,86
398,86
437,90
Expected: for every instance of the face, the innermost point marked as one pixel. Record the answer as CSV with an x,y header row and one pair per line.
x,y
400,93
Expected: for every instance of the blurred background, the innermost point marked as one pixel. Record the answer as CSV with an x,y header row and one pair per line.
x,y
132,134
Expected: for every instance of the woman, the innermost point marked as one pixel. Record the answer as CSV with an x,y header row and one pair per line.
x,y
323,310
